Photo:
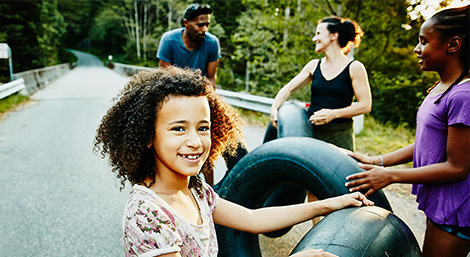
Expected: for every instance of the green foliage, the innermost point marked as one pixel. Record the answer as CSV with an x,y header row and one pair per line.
x,y
51,28
107,34
79,17
272,46
65,56
396,99
33,30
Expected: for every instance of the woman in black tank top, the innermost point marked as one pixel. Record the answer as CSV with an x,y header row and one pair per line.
x,y
335,81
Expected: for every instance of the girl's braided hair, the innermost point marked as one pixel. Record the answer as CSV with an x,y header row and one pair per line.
x,y
129,126
455,22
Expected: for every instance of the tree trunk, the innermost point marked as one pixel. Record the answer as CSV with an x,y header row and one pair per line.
x,y
144,31
137,34
339,9
170,15
286,30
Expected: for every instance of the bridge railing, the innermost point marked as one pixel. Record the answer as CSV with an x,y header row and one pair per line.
x,y
242,100
126,69
11,87
38,78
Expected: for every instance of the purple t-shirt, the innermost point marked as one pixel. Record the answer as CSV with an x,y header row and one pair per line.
x,y
447,203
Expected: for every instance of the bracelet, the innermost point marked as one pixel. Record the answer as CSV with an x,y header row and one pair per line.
x,y
381,161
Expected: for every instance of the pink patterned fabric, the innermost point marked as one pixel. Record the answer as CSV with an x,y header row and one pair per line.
x,y
151,227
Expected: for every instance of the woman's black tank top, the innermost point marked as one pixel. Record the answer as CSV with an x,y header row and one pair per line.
x,y
331,94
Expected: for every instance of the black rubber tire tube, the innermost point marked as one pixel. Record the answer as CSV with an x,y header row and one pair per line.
x,y
361,231
318,167
292,122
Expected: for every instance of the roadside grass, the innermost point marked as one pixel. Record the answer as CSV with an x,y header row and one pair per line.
x,y
377,138
374,139
253,118
10,103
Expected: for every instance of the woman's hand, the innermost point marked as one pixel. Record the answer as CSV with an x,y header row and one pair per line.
x,y
314,253
372,180
273,116
322,117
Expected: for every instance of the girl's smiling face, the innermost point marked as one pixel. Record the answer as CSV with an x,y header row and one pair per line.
x,y
431,49
182,135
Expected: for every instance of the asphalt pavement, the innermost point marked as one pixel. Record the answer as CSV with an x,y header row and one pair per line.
x,y
58,198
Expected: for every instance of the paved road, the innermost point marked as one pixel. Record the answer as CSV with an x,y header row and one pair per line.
x,y
58,198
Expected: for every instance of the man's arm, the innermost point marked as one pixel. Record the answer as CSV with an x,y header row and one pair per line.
x,y
212,71
163,64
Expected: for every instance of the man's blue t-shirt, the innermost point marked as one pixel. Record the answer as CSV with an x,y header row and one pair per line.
x,y
172,50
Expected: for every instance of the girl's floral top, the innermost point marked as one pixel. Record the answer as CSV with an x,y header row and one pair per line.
x,y
151,227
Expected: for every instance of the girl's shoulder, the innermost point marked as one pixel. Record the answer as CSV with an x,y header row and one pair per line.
x,y
460,91
209,194
143,198
143,201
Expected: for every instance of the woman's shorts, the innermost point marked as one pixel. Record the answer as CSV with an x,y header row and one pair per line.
x,y
339,134
462,232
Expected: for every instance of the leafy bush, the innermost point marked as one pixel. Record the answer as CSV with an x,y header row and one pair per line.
x,y
396,100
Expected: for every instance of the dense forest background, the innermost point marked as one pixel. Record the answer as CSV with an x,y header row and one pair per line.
x,y
264,43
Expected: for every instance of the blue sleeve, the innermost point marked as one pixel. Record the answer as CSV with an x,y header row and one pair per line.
x,y
214,53
165,51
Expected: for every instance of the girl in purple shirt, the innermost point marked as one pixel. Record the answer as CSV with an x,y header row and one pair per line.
x,y
441,152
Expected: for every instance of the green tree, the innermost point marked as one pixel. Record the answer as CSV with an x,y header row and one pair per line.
x,y
19,33
33,30
79,17
50,29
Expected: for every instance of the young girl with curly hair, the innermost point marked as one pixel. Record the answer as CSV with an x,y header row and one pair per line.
x,y
441,151
167,126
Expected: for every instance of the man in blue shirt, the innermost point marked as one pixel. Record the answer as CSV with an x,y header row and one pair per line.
x,y
192,46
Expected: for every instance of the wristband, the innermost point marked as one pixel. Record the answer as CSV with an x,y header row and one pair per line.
x,y
381,161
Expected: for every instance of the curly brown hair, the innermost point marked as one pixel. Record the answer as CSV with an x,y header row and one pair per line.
x,y
129,126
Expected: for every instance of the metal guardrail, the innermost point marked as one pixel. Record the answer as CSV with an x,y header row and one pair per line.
x,y
247,101
11,87
242,100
